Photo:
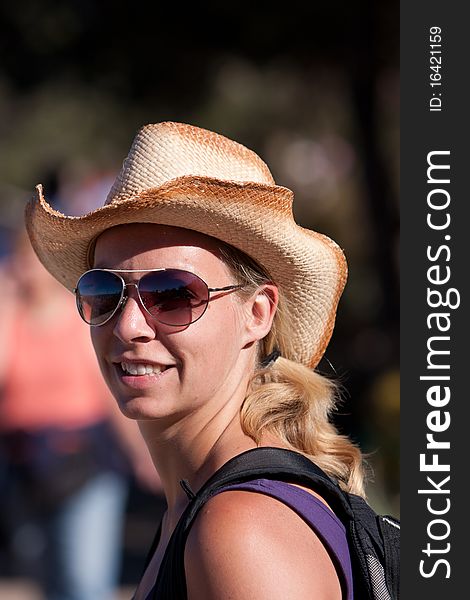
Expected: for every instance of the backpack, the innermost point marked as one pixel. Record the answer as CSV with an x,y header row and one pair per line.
x,y
374,540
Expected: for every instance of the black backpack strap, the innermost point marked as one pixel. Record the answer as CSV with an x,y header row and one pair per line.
x,y
275,463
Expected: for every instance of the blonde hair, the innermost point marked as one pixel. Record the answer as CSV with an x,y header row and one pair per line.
x,y
289,400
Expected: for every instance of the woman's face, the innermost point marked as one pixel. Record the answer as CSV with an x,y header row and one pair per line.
x,y
196,367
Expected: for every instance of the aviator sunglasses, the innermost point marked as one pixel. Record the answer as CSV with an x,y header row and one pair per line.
x,y
171,296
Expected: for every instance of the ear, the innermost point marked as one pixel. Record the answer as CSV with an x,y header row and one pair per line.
x,y
260,310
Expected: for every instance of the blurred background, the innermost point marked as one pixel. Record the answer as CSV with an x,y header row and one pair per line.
x,y
313,88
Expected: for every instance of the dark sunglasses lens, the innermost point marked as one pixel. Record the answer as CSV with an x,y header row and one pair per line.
x,y
98,295
174,297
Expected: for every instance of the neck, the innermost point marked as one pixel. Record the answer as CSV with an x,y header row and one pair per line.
x,y
193,449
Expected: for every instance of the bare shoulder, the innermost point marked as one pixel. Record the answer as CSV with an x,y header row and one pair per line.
x,y
245,545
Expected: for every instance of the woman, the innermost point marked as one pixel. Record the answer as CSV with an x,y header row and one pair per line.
x,y
209,307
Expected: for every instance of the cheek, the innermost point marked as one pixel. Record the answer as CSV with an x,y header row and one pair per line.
x,y
217,337
98,340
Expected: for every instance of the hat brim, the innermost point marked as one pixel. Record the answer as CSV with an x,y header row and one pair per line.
x,y
309,268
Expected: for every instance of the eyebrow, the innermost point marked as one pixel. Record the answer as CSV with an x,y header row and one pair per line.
x,y
135,270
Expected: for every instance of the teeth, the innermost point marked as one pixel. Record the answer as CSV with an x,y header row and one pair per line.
x,y
141,368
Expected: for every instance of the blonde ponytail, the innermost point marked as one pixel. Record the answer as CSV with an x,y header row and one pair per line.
x,y
294,403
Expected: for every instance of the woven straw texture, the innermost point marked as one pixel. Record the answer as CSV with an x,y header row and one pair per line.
x,y
180,175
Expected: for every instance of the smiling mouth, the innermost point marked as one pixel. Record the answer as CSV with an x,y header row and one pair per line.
x,y
137,369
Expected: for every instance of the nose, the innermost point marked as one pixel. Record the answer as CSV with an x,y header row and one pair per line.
x,y
133,323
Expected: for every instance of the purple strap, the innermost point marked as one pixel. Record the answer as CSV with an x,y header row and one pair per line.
x,y
320,518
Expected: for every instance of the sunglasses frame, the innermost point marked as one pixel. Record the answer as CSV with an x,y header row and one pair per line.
x,y
125,296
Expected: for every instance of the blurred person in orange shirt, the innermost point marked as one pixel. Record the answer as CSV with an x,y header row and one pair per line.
x,y
66,449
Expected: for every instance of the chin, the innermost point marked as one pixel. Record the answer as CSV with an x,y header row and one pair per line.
x,y
137,408
144,408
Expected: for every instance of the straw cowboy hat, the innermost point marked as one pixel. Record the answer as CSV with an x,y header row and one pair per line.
x,y
180,175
